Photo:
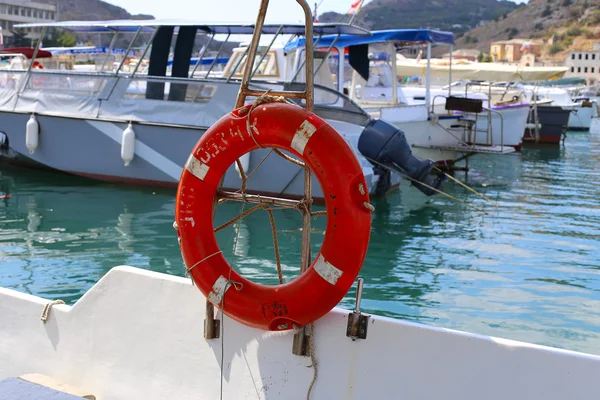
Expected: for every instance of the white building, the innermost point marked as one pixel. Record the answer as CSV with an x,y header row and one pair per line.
x,y
584,64
13,12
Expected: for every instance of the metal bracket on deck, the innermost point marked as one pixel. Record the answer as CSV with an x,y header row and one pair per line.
x,y
212,326
300,345
357,322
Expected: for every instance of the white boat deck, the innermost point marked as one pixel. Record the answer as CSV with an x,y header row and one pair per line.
x,y
139,335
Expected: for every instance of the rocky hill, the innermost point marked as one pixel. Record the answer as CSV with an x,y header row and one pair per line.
x,y
449,15
89,10
563,24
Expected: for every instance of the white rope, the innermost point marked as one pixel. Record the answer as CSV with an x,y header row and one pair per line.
x,y
313,357
47,308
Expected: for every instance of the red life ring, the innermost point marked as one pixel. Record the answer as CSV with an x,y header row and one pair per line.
x,y
37,80
320,288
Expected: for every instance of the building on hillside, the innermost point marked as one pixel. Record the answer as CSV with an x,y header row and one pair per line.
x,y
512,50
14,12
463,54
584,64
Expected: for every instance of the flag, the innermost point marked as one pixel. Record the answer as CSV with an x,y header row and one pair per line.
x,y
1,37
526,46
355,7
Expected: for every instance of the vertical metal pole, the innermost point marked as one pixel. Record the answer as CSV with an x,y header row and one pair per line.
x,y
428,77
394,75
144,52
260,20
137,33
450,74
341,69
266,51
212,65
299,345
112,44
33,57
304,62
237,64
201,55
327,53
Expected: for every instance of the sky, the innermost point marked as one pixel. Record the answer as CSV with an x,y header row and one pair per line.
x,y
280,11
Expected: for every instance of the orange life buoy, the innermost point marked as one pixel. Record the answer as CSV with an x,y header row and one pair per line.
x,y
37,80
320,288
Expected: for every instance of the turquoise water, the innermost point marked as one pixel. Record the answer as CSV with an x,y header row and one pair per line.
x,y
528,269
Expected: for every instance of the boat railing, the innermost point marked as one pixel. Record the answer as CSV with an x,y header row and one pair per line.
x,y
501,116
11,79
488,110
195,89
470,109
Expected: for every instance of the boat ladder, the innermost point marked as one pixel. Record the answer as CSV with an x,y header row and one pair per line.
x,y
465,130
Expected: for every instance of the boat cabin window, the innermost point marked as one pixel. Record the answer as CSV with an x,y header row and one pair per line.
x,y
380,74
326,76
268,67
195,92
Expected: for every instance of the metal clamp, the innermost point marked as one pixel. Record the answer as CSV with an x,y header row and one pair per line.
x,y
300,343
212,326
357,322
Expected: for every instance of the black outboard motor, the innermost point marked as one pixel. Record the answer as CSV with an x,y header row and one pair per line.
x,y
4,146
387,146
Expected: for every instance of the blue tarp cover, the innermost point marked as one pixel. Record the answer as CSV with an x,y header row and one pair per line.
x,y
205,61
88,50
393,35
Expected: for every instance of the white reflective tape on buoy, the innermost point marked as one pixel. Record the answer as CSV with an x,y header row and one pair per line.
x,y
196,168
302,136
218,291
327,271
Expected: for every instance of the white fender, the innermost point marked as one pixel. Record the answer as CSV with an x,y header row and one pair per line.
x,y
32,133
128,145
245,161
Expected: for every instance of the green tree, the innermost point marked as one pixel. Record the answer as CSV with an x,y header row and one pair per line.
x,y
555,48
66,39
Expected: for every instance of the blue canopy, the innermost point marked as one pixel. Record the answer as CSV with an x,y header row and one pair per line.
x,y
148,25
391,35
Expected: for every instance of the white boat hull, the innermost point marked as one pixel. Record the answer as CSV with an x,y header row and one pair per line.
x,y
581,117
507,126
139,335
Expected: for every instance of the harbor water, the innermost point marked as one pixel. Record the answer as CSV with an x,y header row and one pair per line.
x,y
523,265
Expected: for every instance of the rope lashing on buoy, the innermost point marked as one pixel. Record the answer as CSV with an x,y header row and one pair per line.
x,y
263,99
47,308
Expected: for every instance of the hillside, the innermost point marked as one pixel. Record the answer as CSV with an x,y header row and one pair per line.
x,y
449,15
572,24
87,10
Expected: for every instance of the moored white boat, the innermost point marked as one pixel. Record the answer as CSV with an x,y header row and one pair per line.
x,y
582,111
74,111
